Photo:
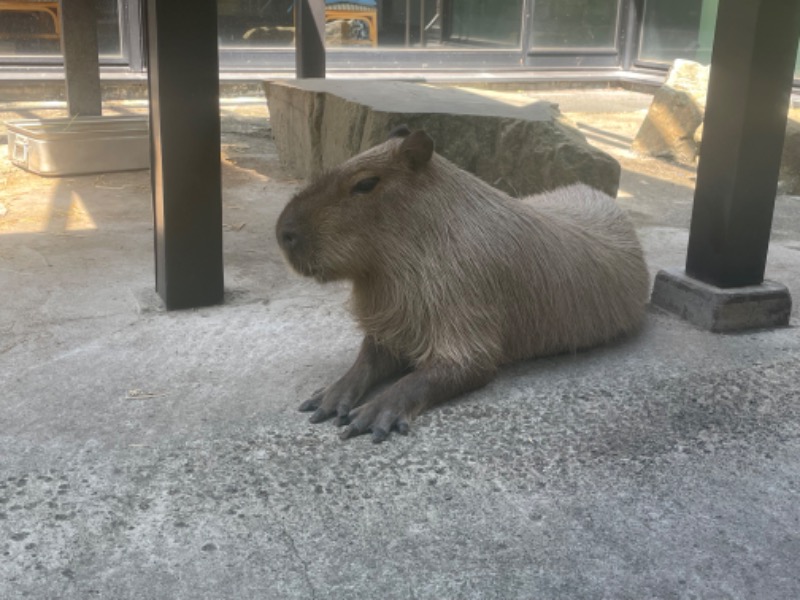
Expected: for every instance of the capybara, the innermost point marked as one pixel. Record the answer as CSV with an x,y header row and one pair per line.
x,y
453,278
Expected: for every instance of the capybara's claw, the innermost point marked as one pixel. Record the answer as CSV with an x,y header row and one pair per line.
x,y
402,427
379,435
320,415
314,402
309,405
350,431
326,407
378,417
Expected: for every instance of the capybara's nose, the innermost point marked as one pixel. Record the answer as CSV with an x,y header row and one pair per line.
x,y
289,238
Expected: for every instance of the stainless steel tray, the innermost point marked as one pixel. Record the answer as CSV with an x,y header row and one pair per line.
x,y
79,145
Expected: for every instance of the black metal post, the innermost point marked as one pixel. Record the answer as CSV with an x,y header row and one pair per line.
x,y
525,32
185,143
421,23
81,59
632,14
752,66
310,38
134,16
408,23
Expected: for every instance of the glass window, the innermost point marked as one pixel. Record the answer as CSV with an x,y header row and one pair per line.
x,y
575,23
28,29
109,28
797,66
255,23
484,22
353,24
31,28
678,29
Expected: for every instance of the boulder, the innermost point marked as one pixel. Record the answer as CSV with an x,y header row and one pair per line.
x,y
670,129
673,127
522,150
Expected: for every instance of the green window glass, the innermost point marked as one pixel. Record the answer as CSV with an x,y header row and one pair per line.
x,y
797,65
354,24
575,23
678,29
32,28
486,22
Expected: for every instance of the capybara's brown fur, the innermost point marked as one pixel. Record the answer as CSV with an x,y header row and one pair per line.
x,y
453,278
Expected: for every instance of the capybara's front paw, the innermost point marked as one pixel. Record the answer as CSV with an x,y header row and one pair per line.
x,y
379,417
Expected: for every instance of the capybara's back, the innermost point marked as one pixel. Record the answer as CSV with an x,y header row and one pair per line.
x,y
587,282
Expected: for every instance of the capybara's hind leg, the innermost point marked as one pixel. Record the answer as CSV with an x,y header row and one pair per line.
x,y
373,365
396,407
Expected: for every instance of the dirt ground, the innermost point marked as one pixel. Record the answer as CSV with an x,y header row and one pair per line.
x,y
608,118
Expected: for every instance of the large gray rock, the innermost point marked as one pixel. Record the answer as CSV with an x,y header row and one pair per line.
x,y
318,124
673,127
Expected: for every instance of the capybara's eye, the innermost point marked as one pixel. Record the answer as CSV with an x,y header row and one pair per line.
x,y
365,185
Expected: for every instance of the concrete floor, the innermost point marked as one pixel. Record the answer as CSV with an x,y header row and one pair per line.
x,y
146,454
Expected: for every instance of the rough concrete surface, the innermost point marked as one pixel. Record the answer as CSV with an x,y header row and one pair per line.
x,y
146,454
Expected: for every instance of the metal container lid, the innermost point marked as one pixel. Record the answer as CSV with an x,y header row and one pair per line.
x,y
79,127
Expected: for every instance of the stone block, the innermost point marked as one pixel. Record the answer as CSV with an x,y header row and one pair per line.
x,y
670,128
673,127
722,310
298,147
522,150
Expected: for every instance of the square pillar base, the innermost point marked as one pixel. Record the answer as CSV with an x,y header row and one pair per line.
x,y
722,309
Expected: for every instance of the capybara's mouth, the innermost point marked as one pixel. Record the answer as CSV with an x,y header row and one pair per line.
x,y
319,274
307,268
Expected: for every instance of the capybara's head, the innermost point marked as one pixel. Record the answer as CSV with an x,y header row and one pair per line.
x,y
332,229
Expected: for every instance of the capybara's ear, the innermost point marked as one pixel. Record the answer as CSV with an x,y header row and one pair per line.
x,y
417,149
399,131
